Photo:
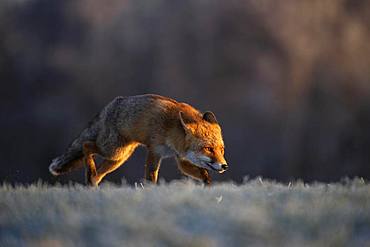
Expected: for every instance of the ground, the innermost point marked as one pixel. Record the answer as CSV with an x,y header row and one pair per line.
x,y
184,213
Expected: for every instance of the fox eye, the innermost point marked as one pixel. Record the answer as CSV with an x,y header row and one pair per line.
x,y
208,149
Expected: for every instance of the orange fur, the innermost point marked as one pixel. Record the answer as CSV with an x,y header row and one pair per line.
x,y
166,127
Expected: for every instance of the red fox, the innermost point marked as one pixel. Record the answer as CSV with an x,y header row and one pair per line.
x,y
164,126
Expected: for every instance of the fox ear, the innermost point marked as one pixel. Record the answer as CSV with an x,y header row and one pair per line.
x,y
184,126
210,117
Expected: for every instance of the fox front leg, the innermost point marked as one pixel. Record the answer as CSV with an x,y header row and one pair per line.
x,y
152,165
205,177
193,171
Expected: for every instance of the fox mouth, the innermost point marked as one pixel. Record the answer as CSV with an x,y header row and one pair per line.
x,y
214,169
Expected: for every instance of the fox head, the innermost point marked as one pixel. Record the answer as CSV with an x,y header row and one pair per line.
x,y
204,143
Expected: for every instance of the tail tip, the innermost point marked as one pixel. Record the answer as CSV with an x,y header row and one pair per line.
x,y
53,168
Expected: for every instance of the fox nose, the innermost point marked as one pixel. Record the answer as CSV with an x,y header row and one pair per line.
x,y
224,166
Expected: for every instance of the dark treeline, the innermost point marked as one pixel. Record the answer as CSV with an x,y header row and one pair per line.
x,y
289,80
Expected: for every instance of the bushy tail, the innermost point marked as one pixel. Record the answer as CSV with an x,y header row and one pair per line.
x,y
73,157
67,162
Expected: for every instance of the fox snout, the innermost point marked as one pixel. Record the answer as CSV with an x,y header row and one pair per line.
x,y
220,168
224,166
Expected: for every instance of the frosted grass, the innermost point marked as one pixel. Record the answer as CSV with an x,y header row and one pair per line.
x,y
183,213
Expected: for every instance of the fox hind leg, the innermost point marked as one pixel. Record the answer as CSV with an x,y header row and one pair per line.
x,y
109,165
106,167
89,149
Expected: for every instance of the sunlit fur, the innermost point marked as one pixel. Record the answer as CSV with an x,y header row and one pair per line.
x,y
201,135
164,126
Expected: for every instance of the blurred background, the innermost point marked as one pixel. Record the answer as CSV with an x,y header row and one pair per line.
x,y
289,81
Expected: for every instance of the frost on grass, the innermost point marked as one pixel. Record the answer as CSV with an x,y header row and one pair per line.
x,y
182,213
